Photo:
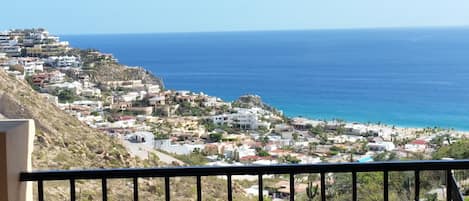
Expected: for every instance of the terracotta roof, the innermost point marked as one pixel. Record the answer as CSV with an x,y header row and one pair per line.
x,y
422,142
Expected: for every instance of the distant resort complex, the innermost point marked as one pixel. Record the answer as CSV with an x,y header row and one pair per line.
x,y
188,128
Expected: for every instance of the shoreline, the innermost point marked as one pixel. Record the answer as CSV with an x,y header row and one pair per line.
x,y
346,120
162,67
385,123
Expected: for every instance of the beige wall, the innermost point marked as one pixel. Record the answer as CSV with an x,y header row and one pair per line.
x,y
3,171
17,143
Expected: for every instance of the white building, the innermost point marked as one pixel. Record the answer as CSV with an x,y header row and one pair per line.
x,y
242,119
157,100
30,64
4,38
180,149
152,88
30,67
75,87
16,74
133,96
213,102
93,105
381,146
63,61
12,51
346,138
91,92
56,77
416,146
126,123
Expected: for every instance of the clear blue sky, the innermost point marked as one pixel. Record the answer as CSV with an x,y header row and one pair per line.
x,y
140,16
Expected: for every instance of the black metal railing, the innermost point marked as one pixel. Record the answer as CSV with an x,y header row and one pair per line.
x,y
452,189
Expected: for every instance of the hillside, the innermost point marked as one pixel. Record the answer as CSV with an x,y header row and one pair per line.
x,y
103,68
63,142
250,100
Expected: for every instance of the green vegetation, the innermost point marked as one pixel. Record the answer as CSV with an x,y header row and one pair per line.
x,y
371,185
289,159
195,158
216,137
295,136
386,156
186,109
208,124
317,130
66,95
29,79
311,190
458,150
261,152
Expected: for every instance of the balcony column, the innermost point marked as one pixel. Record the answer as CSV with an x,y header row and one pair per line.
x,y
16,146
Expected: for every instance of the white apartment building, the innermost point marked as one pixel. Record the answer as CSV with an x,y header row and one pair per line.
x,y
242,119
75,87
31,66
93,105
152,88
63,61
12,51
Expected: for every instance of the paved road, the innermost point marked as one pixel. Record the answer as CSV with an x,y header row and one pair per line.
x,y
142,151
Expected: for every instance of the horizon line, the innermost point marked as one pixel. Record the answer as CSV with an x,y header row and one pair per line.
x,y
270,30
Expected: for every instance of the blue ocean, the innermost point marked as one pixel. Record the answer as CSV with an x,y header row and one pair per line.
x,y
405,77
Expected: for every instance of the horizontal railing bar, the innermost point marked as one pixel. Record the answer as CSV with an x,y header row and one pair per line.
x,y
245,170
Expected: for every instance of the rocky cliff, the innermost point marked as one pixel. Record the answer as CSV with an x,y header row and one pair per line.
x,y
250,100
106,68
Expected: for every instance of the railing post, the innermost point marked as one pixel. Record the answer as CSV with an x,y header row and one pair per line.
x,y
16,147
448,185
104,188
354,186
261,187
417,185
135,188
73,196
229,187
454,191
386,185
323,186
292,187
40,190
199,188
166,189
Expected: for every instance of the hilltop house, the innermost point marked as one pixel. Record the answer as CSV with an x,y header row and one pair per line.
x,y
416,146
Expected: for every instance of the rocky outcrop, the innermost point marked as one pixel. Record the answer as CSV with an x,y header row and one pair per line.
x,y
250,100
104,68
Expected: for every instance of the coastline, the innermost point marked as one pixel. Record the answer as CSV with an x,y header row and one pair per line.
x,y
345,120
132,104
306,77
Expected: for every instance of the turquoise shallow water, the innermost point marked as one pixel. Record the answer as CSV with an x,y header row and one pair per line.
x,y
406,77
